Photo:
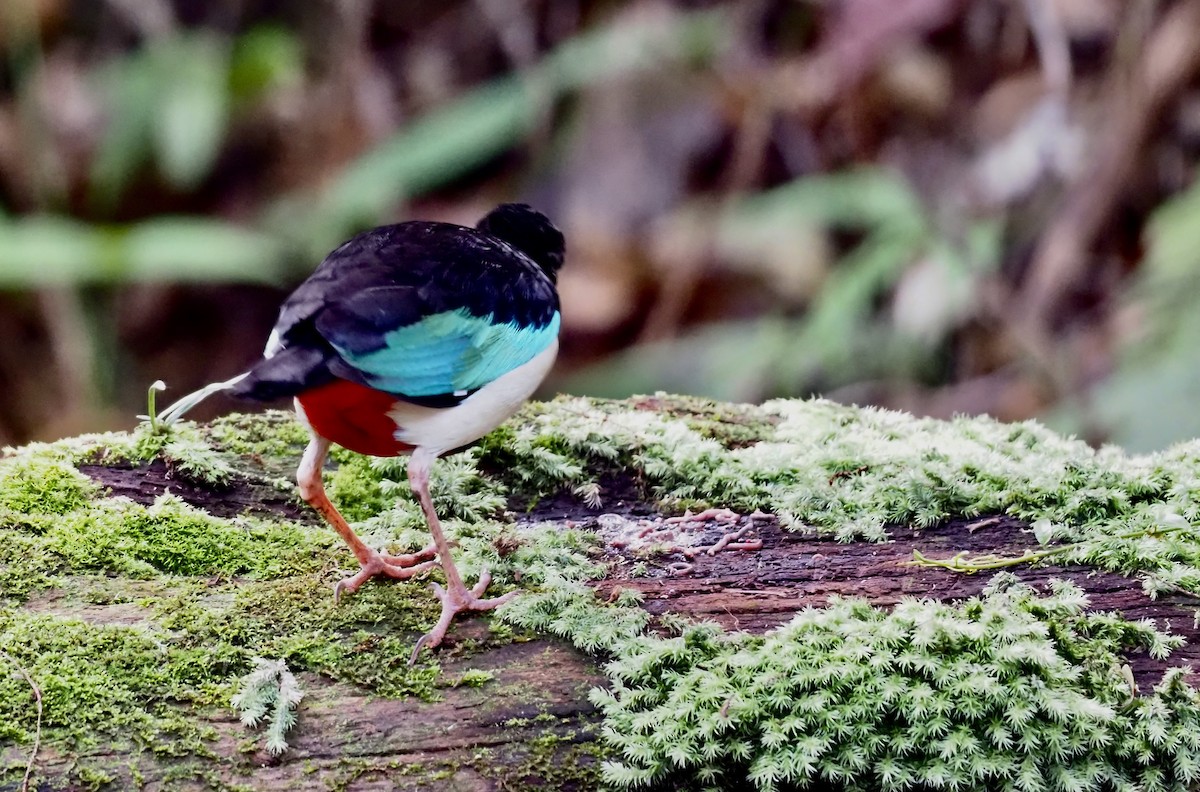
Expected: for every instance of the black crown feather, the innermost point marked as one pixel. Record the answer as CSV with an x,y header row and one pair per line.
x,y
530,232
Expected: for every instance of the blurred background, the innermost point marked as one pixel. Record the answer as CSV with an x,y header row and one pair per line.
x,y
944,206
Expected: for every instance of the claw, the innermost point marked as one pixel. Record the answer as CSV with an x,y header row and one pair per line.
x,y
455,600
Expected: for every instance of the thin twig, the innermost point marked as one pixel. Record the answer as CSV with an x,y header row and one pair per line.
x,y
37,735
1170,59
966,563
986,522
1054,51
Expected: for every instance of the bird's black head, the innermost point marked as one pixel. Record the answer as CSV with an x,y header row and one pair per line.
x,y
530,232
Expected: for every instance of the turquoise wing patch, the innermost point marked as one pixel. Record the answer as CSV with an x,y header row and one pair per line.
x,y
449,352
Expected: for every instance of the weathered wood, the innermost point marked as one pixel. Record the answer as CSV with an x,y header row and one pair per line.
x,y
144,483
522,731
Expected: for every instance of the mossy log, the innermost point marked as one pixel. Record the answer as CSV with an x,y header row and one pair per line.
x,y
498,706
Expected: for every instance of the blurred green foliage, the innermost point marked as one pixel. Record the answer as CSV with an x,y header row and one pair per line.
x,y
765,199
841,336
1151,398
51,250
449,141
169,102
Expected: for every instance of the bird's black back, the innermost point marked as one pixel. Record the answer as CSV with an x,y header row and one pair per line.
x,y
395,276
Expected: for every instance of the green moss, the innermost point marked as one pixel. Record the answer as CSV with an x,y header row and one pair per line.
x,y
474,677
97,682
1007,690
38,485
351,770
172,537
365,640
561,758
26,565
355,488
733,425
92,778
35,491
273,434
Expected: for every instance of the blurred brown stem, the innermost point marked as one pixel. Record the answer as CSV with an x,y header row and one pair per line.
x,y
1170,59
74,348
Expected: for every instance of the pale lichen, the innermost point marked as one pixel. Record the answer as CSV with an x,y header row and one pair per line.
x,y
270,687
1004,691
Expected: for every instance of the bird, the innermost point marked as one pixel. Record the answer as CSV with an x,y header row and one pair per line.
x,y
416,339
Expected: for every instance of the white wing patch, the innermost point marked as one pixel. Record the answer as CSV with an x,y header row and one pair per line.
x,y
274,344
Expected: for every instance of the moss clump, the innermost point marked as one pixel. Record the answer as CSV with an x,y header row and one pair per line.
x,y
365,640
1010,690
26,565
172,537
98,681
264,437
355,488
733,425
554,760
35,491
34,486
460,490
1005,691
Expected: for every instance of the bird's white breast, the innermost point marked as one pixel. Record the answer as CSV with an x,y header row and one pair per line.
x,y
442,430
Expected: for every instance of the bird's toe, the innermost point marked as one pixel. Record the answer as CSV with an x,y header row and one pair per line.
x,y
411,559
378,565
456,600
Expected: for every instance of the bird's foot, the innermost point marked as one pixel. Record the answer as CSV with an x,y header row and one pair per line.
x,y
398,567
455,600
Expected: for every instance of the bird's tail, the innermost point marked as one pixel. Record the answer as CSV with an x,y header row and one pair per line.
x,y
183,405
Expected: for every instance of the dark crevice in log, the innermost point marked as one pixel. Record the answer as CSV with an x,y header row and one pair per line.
x,y
621,494
144,483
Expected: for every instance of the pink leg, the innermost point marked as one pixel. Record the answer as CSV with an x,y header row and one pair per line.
x,y
371,562
455,597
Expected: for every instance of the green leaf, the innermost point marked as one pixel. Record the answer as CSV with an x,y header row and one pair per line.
x,y
53,251
193,106
862,198
46,250
195,249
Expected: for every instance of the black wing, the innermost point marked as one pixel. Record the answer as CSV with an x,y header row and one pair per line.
x,y
389,278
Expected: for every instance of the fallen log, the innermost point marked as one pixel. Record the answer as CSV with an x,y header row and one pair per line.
x,y
136,624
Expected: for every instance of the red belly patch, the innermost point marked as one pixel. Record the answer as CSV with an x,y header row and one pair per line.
x,y
353,416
